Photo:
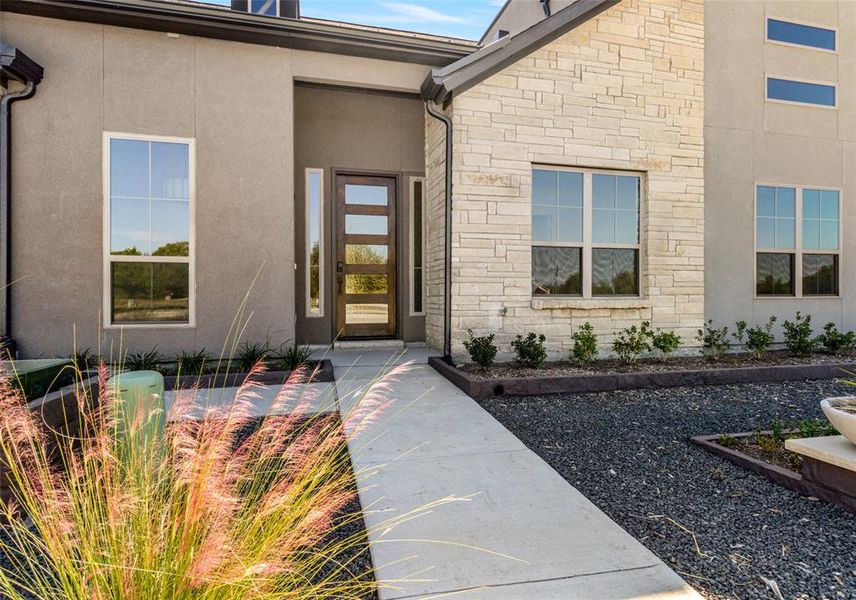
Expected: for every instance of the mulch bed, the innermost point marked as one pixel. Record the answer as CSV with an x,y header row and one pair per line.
x,y
652,365
719,526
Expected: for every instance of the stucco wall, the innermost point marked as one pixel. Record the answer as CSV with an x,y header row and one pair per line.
x,y
355,132
622,91
234,99
750,140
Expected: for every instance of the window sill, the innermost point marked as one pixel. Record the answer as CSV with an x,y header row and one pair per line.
x,y
118,326
589,303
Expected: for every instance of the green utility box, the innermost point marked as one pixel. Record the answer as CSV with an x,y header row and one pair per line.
x,y
139,402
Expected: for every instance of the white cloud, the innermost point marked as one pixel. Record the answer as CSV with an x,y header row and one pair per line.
x,y
408,12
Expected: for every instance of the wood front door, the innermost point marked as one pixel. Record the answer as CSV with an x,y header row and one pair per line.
x,y
365,256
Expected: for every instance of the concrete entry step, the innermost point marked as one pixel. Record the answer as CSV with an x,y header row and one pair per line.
x,y
369,345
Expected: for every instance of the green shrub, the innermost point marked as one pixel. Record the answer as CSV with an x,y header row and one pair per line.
x,y
295,355
666,342
143,361
250,354
83,359
632,342
798,335
481,349
714,342
585,344
756,339
530,350
191,362
835,341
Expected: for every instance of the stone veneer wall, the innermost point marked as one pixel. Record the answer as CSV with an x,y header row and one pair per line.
x,y
624,90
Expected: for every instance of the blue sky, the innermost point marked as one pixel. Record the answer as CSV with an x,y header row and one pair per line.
x,y
457,18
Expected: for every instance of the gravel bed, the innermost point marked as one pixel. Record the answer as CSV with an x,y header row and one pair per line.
x,y
628,452
649,364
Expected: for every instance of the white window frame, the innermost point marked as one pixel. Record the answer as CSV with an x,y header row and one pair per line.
x,y
800,46
832,84
307,244
108,258
587,245
798,250
411,228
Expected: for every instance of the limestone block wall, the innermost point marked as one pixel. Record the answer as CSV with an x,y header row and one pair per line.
x,y
623,91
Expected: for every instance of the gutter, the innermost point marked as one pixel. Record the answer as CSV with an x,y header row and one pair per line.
x,y
14,65
447,238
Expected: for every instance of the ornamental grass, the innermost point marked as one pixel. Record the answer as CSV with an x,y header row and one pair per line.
x,y
223,505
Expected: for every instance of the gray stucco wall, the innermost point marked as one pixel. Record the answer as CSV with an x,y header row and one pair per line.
x,y
355,132
750,140
234,99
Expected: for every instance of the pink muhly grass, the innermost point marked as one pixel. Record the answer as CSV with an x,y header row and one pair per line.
x,y
222,507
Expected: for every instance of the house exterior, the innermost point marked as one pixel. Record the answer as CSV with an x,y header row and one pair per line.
x,y
611,162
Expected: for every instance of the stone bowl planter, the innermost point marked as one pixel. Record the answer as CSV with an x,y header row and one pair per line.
x,y
843,420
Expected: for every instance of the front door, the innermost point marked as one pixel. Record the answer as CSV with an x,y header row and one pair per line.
x,y
365,256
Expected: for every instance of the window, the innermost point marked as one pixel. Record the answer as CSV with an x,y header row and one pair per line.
x,y
800,35
585,233
314,242
797,232
801,92
263,7
148,235
417,247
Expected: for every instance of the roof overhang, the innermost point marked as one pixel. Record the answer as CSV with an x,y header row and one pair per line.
x,y
443,83
219,23
16,65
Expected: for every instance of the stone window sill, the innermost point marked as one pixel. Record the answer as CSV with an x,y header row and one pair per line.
x,y
589,303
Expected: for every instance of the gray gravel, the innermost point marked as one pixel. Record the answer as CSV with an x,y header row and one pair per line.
x,y
628,452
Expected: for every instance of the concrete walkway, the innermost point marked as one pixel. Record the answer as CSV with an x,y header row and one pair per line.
x,y
517,529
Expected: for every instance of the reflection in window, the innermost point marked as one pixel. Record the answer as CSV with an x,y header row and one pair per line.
x,y
800,91
820,219
820,274
417,246
615,272
366,225
774,274
373,195
557,270
366,254
263,7
149,236
314,242
802,35
615,209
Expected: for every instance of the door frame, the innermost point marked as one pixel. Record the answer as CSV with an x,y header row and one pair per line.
x,y
335,173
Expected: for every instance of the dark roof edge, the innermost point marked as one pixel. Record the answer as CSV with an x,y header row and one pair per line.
x,y
442,83
493,22
214,22
19,66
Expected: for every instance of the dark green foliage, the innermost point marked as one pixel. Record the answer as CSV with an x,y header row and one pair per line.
x,y
249,354
714,342
585,344
756,339
632,342
798,335
295,355
481,349
666,342
530,350
143,361
83,359
835,341
192,362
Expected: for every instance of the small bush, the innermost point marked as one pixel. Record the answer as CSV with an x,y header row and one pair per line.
x,y
756,339
798,335
530,350
191,362
666,342
83,360
481,349
295,355
585,344
835,341
143,361
250,354
714,342
632,342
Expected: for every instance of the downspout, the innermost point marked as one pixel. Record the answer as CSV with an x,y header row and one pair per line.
x,y
447,253
5,206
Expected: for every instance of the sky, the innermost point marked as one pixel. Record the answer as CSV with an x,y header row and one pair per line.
x,y
456,18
